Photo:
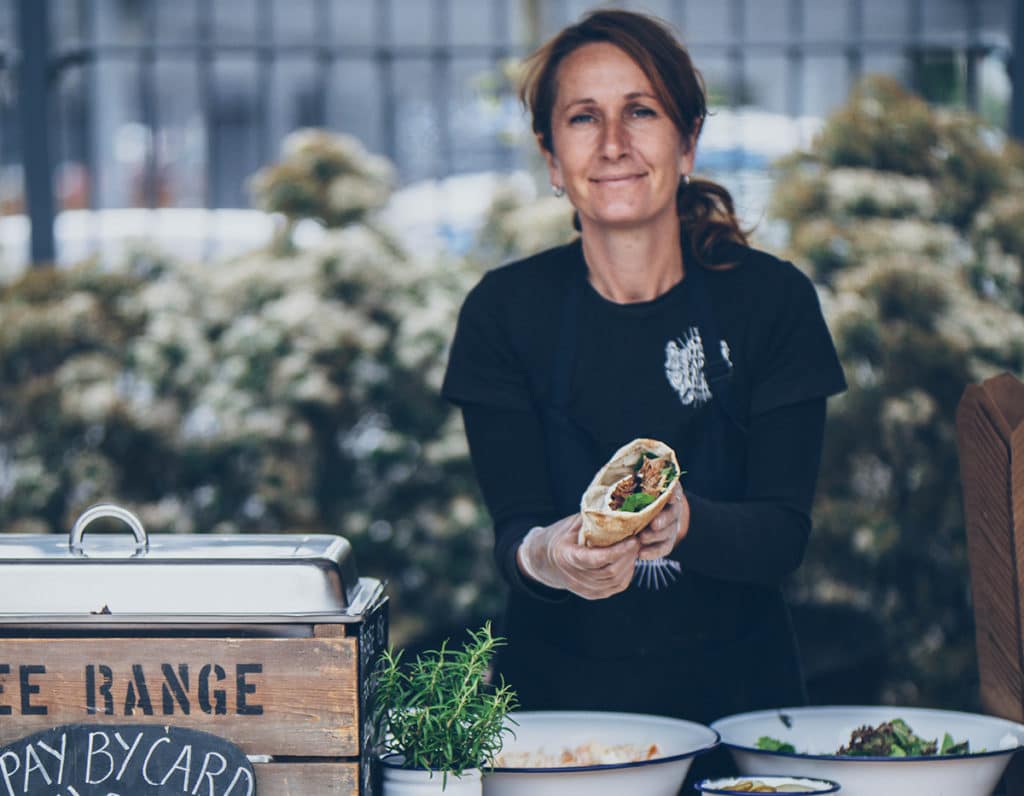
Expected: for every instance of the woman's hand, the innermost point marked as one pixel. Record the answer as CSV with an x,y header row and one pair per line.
x,y
551,555
668,528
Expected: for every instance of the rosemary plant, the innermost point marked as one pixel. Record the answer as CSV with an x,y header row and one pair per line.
x,y
439,712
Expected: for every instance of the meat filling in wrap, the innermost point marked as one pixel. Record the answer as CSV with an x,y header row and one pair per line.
x,y
652,475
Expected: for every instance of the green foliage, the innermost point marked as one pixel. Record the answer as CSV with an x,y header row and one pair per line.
x,y
907,217
438,711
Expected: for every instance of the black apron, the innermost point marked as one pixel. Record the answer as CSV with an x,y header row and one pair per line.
x,y
700,648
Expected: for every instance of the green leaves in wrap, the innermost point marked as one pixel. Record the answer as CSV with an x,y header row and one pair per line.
x,y
636,501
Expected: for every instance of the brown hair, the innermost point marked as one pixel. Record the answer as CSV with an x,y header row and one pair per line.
x,y
706,210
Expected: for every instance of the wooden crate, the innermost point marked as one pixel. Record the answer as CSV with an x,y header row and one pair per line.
x,y
302,701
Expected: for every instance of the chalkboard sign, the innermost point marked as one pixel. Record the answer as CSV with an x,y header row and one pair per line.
x,y
124,760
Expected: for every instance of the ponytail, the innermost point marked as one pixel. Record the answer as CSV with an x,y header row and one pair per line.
x,y
707,216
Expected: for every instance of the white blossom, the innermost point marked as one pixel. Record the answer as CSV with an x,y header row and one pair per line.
x,y
869,192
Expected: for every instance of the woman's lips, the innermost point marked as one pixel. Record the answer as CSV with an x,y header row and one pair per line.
x,y
617,180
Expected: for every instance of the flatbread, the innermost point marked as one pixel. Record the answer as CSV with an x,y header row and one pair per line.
x,y
603,525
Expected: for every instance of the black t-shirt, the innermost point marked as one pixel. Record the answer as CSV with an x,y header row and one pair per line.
x,y
640,370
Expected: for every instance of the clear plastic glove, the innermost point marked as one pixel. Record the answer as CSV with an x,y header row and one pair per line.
x,y
667,529
551,555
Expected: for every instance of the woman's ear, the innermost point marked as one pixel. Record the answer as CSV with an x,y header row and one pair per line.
x,y
689,150
554,170
686,160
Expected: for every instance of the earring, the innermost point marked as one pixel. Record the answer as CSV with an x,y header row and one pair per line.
x,y
686,179
558,191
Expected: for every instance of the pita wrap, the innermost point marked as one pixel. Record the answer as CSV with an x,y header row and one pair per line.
x,y
643,465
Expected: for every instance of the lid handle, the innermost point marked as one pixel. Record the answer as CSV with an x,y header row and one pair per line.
x,y
103,510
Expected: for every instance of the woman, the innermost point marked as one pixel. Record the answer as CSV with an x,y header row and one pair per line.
x,y
657,322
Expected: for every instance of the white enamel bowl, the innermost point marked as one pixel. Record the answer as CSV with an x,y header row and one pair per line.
x,y
817,732
727,785
548,732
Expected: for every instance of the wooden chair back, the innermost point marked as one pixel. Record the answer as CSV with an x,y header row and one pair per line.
x,y
990,438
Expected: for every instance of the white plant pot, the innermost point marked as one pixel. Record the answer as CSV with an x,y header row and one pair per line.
x,y
422,782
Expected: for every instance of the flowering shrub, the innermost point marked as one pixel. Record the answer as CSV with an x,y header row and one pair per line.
x,y
520,223
267,393
325,176
909,219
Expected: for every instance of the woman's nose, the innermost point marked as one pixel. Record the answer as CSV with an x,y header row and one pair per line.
x,y
615,139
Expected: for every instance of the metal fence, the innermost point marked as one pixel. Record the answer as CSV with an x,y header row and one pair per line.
x,y
150,103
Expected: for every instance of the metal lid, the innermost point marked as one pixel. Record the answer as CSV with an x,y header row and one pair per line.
x,y
172,578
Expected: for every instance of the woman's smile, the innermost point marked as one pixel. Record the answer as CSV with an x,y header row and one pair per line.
x,y
623,179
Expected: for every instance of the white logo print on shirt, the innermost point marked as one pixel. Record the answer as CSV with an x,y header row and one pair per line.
x,y
684,367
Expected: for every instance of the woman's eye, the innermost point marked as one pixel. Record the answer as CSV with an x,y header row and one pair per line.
x,y
581,118
643,113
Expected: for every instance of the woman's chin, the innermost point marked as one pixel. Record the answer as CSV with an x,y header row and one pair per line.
x,y
623,218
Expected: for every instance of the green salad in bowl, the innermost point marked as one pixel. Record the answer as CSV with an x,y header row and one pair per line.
x,y
889,739
875,750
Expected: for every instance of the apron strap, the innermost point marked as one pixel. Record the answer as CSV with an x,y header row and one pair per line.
x,y
572,452
565,347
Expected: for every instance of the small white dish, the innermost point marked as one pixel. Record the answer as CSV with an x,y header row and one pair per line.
x,y
728,785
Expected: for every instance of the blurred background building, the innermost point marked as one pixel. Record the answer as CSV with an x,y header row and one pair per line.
x,y
109,104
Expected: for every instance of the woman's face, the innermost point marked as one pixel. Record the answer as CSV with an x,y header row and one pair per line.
x,y
616,152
